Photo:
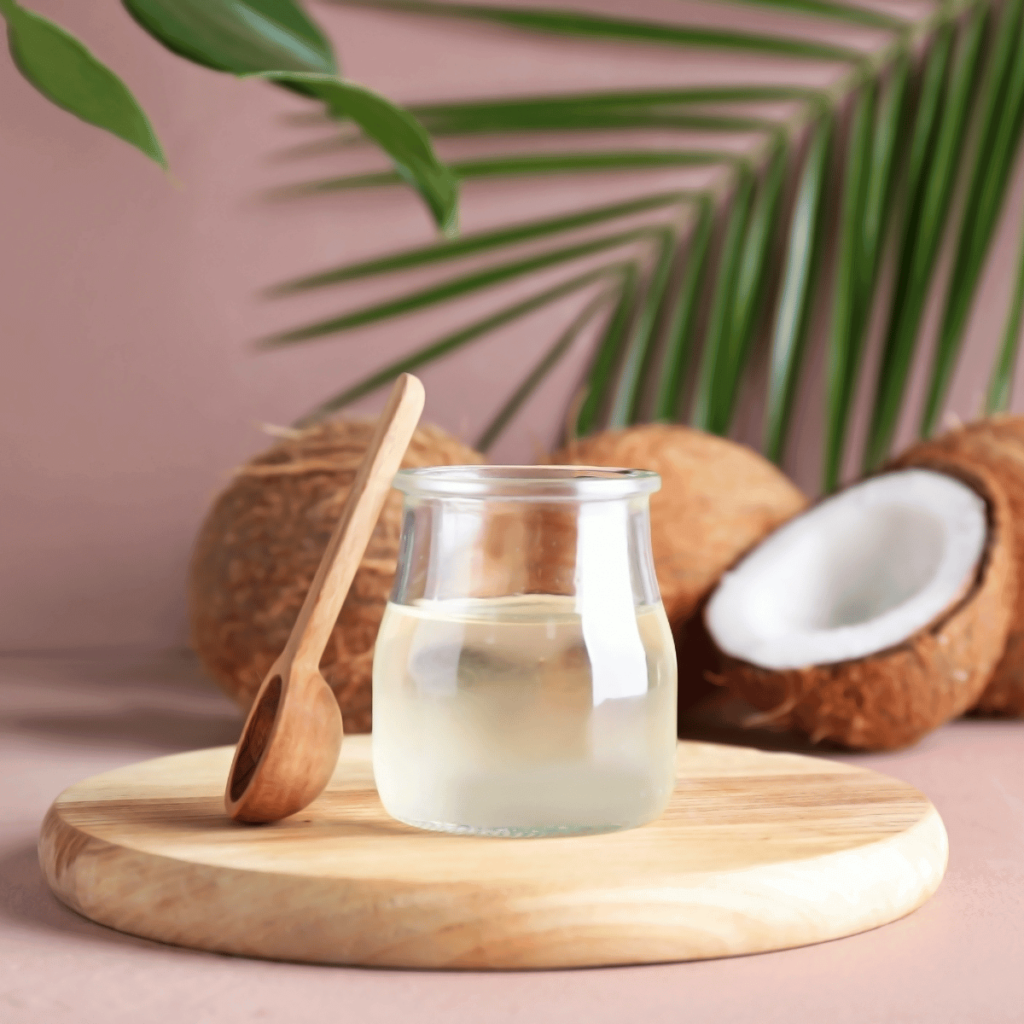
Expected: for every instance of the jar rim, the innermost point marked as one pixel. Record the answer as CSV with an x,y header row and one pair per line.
x,y
533,483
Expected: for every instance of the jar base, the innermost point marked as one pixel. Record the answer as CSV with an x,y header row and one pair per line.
x,y
518,831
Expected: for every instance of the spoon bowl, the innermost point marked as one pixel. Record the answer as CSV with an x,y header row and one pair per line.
x,y
289,747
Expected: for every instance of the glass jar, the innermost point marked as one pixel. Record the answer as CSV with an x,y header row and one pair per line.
x,y
524,678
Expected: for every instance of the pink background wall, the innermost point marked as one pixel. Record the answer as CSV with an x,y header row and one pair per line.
x,y
128,304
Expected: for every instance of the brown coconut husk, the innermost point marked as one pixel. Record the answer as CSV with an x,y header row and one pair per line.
x,y
259,548
996,444
717,500
891,699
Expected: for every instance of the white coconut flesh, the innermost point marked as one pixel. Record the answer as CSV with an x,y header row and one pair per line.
x,y
859,573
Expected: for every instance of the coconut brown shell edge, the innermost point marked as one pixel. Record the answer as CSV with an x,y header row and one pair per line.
x,y
996,444
891,699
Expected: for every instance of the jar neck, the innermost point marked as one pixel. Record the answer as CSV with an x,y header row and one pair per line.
x,y
595,550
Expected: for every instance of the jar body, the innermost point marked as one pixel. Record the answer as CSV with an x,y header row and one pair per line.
x,y
524,674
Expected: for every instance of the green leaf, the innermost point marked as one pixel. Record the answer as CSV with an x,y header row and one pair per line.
x,y
624,99
625,397
834,11
870,175
792,314
1001,114
682,323
457,339
602,366
67,74
484,241
536,376
881,178
716,343
844,348
581,119
396,131
929,202
1000,387
457,287
238,36
750,291
530,164
739,296
595,26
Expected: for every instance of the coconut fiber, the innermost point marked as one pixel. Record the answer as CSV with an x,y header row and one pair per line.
x,y
259,548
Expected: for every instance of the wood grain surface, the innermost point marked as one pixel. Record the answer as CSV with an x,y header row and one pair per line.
x,y
756,852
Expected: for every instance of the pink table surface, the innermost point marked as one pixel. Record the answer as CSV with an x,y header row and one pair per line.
x,y
957,959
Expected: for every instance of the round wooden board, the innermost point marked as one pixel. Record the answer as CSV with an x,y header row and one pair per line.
x,y
756,852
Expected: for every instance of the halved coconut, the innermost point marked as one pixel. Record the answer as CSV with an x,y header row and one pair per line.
x,y
877,615
997,445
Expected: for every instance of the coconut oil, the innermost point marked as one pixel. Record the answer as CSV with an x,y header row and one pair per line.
x,y
523,715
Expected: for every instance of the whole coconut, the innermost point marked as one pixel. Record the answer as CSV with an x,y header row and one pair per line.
x,y
258,550
997,445
717,500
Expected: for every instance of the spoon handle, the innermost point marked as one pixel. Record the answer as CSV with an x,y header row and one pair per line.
x,y
345,549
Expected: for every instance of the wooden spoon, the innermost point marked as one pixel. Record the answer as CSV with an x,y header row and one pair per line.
x,y
292,737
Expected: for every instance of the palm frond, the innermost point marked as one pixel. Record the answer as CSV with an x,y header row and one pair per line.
x,y
715,356
457,339
929,198
456,288
1001,116
626,396
549,361
601,375
845,337
1000,386
685,282
528,164
597,26
485,241
791,321
675,363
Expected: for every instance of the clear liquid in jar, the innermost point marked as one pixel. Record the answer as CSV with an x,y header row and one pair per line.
x,y
516,716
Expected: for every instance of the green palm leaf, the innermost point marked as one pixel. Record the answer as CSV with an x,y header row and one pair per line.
x,y
835,11
626,99
738,298
844,341
750,289
485,241
626,396
596,26
1001,115
581,119
923,101
601,375
1001,385
868,192
791,320
682,324
526,164
458,287
716,344
458,339
931,195
536,375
